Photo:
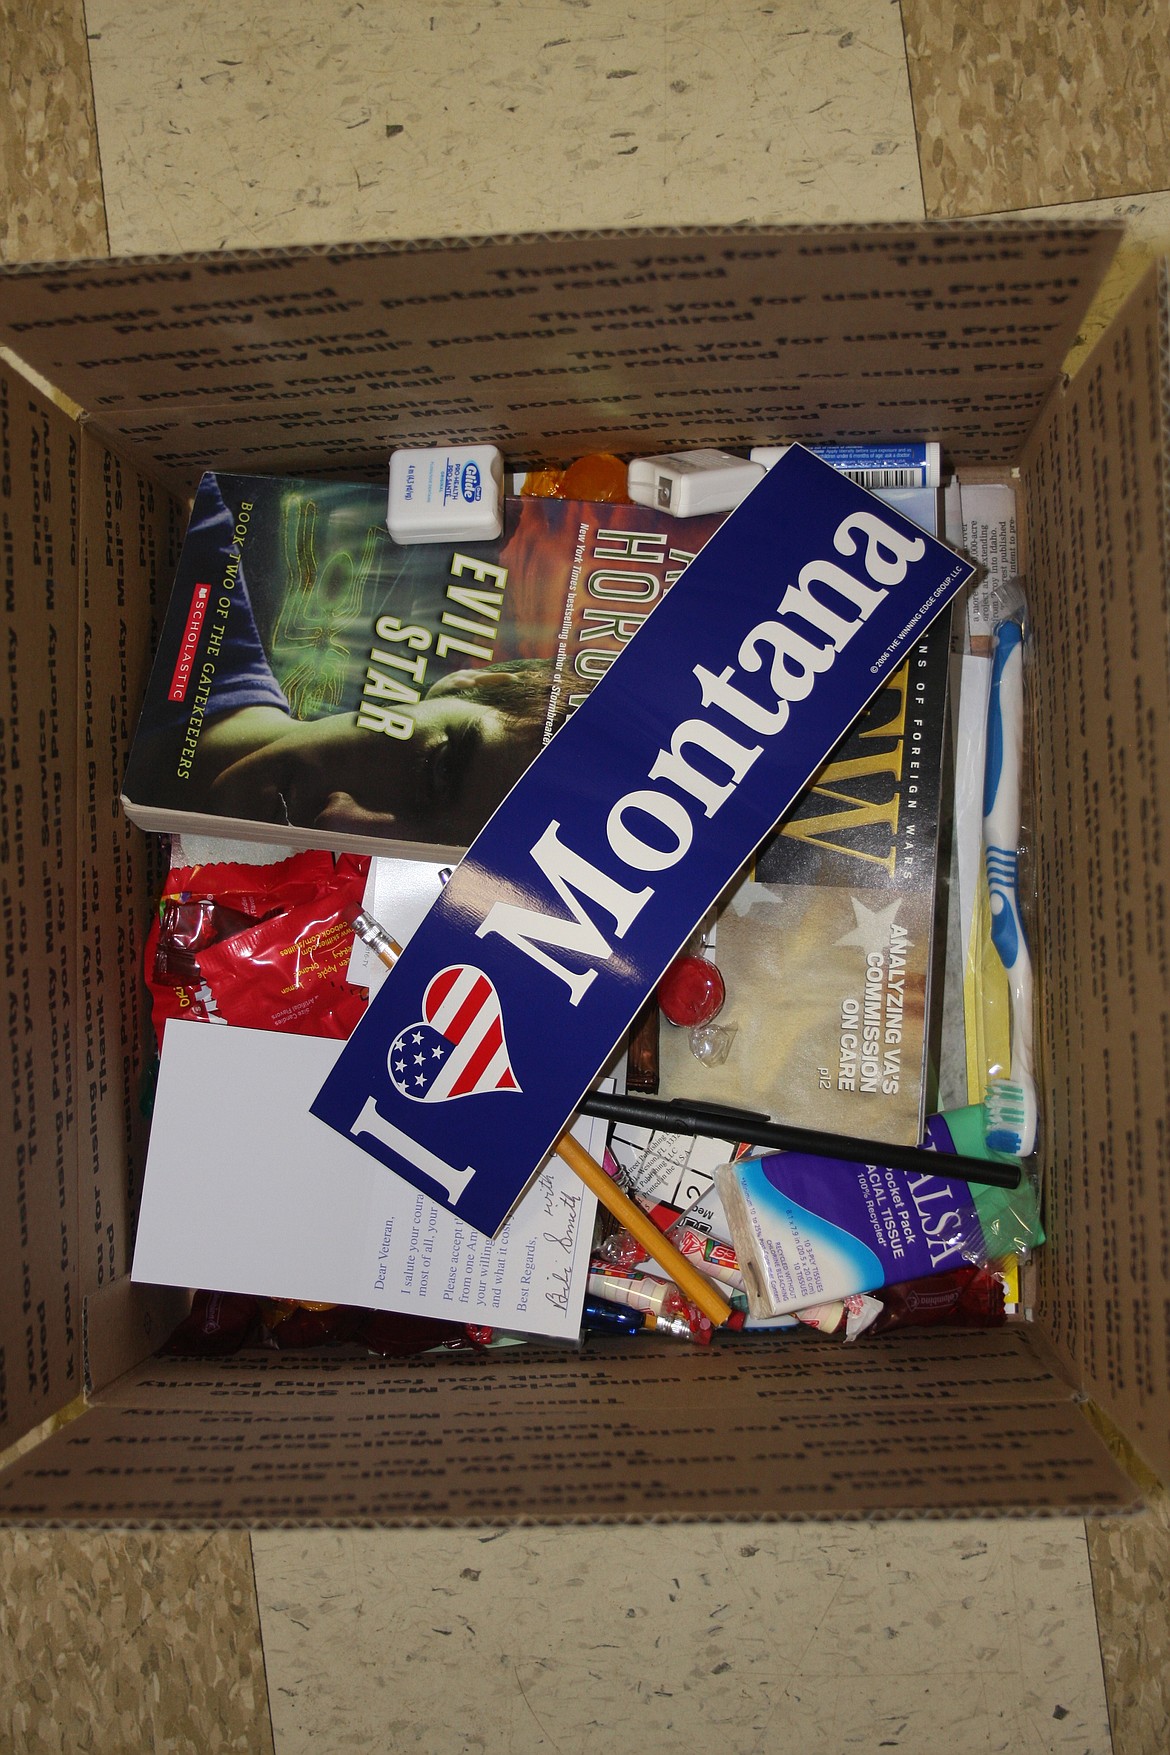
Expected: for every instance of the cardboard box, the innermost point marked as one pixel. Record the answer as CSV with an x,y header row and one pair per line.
x,y
320,361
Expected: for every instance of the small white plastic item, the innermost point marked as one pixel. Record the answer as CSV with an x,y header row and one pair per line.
x,y
687,483
453,493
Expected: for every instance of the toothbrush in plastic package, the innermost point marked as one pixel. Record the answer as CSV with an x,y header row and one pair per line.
x,y
1012,1110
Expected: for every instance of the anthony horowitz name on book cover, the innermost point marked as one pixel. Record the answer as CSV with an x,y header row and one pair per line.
x,y
320,685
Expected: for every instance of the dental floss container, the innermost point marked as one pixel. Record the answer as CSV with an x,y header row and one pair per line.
x,y
449,493
687,483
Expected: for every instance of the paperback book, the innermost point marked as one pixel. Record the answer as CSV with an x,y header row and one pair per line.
x,y
320,685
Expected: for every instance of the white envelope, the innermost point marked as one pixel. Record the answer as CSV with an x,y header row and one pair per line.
x,y
245,1191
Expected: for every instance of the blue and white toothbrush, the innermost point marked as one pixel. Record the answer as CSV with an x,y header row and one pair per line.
x,y
1010,1102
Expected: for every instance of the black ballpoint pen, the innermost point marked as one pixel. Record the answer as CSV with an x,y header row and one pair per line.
x,y
721,1121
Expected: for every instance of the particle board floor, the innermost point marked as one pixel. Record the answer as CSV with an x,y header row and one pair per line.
x,y
772,1640
178,125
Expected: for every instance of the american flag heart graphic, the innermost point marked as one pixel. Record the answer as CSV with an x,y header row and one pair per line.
x,y
457,1048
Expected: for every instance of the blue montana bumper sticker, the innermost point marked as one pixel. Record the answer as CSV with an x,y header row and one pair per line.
x,y
596,868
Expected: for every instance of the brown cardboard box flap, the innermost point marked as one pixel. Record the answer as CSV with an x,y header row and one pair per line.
x,y
129,542
125,1323
87,541
962,1423
315,359
40,1289
1098,523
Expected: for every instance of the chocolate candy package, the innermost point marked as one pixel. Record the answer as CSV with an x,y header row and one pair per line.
x,y
264,946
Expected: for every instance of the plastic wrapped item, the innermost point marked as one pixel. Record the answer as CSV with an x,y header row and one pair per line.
x,y
807,1230
285,1323
967,1297
691,992
393,1334
544,484
620,1249
598,476
848,1317
220,1323
188,924
265,946
712,1043
674,1313
217,1324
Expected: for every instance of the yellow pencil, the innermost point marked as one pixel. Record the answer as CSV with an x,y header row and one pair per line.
x,y
694,1285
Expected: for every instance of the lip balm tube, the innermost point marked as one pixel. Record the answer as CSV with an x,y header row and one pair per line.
x,y
914,465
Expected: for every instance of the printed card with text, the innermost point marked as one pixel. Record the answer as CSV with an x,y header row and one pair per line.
x,y
283,1208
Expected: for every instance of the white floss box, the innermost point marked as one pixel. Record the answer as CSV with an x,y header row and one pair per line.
x,y
686,483
453,493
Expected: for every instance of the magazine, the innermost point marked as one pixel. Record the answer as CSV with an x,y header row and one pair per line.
x,y
832,933
319,685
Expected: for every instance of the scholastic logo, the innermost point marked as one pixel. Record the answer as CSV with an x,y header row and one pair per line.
x,y
457,1047
185,663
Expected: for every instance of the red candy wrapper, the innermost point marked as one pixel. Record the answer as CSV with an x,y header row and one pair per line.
x,y
395,1336
218,1323
265,946
285,1324
967,1297
691,992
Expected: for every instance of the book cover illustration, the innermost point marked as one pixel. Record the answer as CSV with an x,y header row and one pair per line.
x,y
826,946
319,684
